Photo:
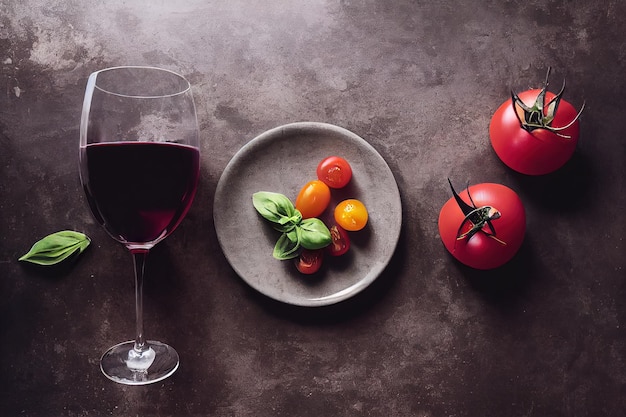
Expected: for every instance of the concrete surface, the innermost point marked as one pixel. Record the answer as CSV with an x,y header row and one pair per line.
x,y
542,336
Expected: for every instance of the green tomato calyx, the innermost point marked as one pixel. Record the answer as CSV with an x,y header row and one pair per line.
x,y
479,218
541,115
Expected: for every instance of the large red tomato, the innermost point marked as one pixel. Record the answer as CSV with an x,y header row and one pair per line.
x,y
485,228
538,139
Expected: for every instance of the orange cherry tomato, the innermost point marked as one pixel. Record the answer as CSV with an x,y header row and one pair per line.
x,y
351,214
313,199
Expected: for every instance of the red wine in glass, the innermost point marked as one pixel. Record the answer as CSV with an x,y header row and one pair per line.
x,y
140,191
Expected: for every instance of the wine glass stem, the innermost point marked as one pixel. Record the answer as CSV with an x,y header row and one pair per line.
x,y
139,261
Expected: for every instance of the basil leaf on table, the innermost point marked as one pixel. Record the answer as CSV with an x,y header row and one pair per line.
x,y
56,247
314,234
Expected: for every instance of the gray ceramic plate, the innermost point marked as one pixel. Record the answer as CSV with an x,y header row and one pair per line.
x,y
282,160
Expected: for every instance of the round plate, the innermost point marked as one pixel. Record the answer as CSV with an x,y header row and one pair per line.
x,y
283,160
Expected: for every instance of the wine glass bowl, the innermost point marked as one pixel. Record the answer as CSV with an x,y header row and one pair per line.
x,y
139,167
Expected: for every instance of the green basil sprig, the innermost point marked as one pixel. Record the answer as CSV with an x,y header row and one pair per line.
x,y
296,232
56,247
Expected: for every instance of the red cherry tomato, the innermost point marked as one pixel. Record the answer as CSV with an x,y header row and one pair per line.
x,y
351,214
334,171
540,151
340,241
313,199
482,251
309,261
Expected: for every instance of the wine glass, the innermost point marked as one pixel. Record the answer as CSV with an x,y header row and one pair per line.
x,y
139,167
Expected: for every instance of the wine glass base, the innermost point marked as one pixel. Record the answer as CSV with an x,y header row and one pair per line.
x,y
123,365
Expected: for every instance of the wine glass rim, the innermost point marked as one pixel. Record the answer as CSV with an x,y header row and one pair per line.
x,y
95,74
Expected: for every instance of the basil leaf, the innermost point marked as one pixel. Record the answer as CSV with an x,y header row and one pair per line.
x,y
314,234
289,225
286,248
56,247
294,234
276,208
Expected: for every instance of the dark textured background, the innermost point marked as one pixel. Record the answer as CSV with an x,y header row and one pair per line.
x,y
419,80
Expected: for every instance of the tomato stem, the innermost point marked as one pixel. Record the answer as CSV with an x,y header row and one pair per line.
x,y
478,217
536,117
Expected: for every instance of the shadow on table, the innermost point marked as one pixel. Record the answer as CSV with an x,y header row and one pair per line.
x,y
54,272
347,309
504,288
570,188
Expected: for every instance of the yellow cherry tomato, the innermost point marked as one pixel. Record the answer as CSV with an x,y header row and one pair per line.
x,y
351,214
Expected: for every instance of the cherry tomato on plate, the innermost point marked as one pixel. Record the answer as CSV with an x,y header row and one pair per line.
x,y
313,199
535,132
309,261
340,241
483,226
334,171
351,214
